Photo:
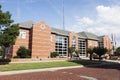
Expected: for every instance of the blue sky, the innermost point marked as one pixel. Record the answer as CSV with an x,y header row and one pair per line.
x,y
96,16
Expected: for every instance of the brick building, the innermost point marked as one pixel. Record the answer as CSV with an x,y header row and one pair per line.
x,y
42,39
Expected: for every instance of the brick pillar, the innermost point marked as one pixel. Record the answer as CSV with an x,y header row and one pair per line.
x,y
40,40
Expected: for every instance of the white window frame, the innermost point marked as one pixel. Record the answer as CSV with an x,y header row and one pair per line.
x,y
22,35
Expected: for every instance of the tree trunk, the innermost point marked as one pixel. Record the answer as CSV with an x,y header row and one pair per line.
x,y
90,56
99,58
3,55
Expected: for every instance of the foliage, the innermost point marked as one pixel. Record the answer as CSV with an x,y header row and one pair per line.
x,y
95,56
16,57
23,52
90,51
118,51
1,51
109,51
77,52
54,54
7,38
71,50
100,51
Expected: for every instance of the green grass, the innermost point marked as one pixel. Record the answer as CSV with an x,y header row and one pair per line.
x,y
41,65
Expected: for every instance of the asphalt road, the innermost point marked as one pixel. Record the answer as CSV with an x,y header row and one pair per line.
x,y
101,72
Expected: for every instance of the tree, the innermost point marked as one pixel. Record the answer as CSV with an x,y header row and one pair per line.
x,y
23,52
70,51
90,51
77,52
8,30
118,51
100,51
1,51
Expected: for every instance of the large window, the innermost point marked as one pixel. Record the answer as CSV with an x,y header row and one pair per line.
x,y
73,41
101,44
82,47
62,46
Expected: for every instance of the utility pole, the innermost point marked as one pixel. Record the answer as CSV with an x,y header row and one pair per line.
x,y
63,14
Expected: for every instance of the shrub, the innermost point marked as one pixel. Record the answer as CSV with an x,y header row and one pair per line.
x,y
118,51
53,54
23,52
1,51
16,57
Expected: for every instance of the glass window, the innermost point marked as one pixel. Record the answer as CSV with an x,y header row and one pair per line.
x,y
82,47
62,46
22,35
74,41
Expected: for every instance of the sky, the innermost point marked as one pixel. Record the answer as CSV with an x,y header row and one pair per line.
x,y
101,17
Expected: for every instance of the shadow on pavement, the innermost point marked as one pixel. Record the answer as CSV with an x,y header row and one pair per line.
x,y
98,64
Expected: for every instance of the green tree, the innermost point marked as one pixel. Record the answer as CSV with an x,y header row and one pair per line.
x,y
77,52
100,51
118,51
90,51
70,51
10,32
23,52
1,51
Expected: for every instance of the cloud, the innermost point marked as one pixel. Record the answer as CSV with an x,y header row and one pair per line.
x,y
106,22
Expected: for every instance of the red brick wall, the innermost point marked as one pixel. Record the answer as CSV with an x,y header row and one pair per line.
x,y
21,42
52,42
107,42
92,43
40,41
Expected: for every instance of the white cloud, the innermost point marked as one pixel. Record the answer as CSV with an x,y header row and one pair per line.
x,y
110,15
107,22
84,21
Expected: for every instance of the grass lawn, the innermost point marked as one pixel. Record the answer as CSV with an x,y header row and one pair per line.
x,y
40,65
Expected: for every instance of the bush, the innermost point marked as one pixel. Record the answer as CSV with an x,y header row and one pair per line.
x,y
16,57
23,52
4,61
117,51
53,54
